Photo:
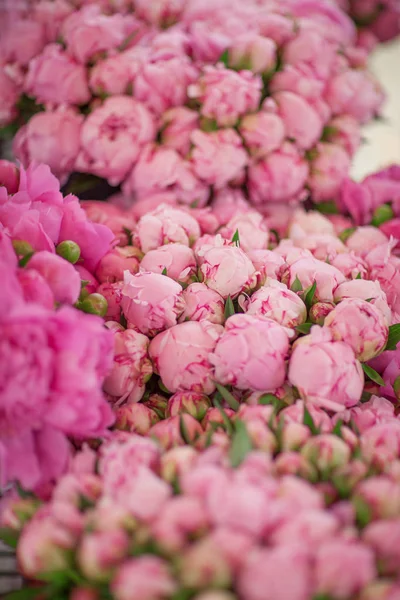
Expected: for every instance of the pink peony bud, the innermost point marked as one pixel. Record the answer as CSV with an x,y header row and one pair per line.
x,y
319,312
137,418
380,495
112,292
177,260
325,372
365,239
162,13
177,461
202,565
262,132
227,270
113,264
361,325
202,304
188,402
151,302
132,367
165,225
355,93
251,353
178,125
181,356
345,131
279,177
278,303
9,176
176,431
253,52
113,75
365,290
310,270
268,264
252,229
327,171
350,264
144,577
302,123
308,223
218,157
326,451
35,288
383,536
100,552
343,568
59,274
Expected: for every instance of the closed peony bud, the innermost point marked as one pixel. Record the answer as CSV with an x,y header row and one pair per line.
x,y
253,52
175,260
176,431
112,266
151,302
59,274
278,303
177,461
202,304
188,402
68,250
203,565
326,451
100,552
227,270
319,312
9,176
144,577
137,418
94,304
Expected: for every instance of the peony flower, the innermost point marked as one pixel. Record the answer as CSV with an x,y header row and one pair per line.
x,y
112,266
61,277
325,372
253,52
178,125
251,353
176,259
302,123
275,301
226,270
252,229
327,171
165,225
181,356
309,270
202,304
262,132
355,93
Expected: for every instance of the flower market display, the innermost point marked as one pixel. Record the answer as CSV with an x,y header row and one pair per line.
x,y
200,377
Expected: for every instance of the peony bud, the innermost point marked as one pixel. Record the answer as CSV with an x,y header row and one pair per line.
x,y
68,250
136,418
94,304
319,311
100,552
326,451
203,565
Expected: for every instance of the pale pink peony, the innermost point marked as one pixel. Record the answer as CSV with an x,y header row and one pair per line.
x,y
374,412
132,367
55,78
267,264
309,223
309,50
147,577
345,131
151,302
384,538
51,138
327,171
361,325
325,372
226,95
113,136
310,270
165,225
229,202
280,177
252,229
366,290
112,266
253,52
302,123
178,125
100,552
275,301
115,74
218,157
52,13
262,132
176,259
161,12
33,34
181,356
61,277
227,270
350,264
356,93
251,353
202,304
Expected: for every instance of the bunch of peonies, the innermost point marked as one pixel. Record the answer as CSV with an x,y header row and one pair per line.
x,y
53,357
189,98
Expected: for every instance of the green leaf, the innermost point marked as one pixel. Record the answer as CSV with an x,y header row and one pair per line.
x,y
396,387
228,397
183,430
394,337
236,239
309,295
25,259
225,418
346,233
164,271
276,235
163,388
369,299
224,58
327,208
26,593
337,430
359,276
128,234
309,421
241,444
304,328
382,214
296,285
229,308
373,375
9,537
365,397
268,399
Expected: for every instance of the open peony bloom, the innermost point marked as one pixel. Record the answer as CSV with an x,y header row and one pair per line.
x,y
325,371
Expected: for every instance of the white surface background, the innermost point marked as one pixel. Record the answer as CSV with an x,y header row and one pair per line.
x,y
383,137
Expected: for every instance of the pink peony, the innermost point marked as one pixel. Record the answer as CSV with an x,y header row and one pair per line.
x,y
61,277
384,538
131,369
325,372
327,171
151,302
52,138
178,125
226,270
33,34
366,290
147,577
202,304
165,225
309,270
251,353
115,74
181,356
176,259
262,132
302,123
112,293
55,78
356,93
100,552
275,301
253,52
280,177
8,99
35,288
161,12
113,136
361,325
112,266
225,95
9,176
252,229
267,264
218,157
345,131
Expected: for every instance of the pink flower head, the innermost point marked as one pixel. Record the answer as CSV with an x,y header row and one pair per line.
x,y
131,369
55,78
384,537
88,32
310,270
35,288
112,266
356,93
100,552
374,412
253,52
61,277
178,125
177,260
227,270
280,177
251,353
113,136
181,356
309,223
226,95
262,132
365,239
302,123
328,171
202,304
365,290
162,13
164,225
51,138
325,372
275,301
9,176
115,74
361,325
33,34
218,157
162,84
252,229
227,203
147,577
350,264
345,131
151,302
